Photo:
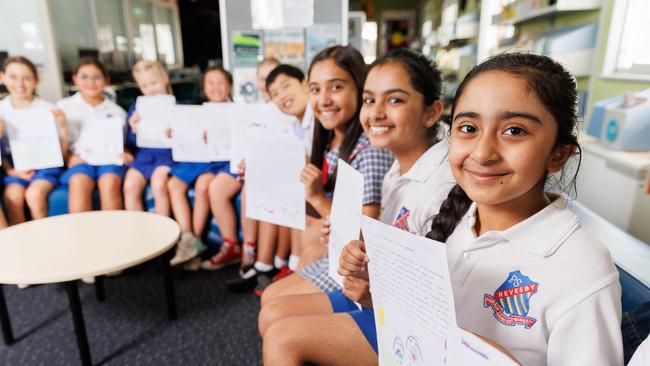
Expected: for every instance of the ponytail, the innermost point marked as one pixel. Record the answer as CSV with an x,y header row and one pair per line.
x,y
451,211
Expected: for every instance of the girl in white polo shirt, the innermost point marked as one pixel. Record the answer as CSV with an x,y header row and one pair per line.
x,y
32,187
524,273
91,77
401,108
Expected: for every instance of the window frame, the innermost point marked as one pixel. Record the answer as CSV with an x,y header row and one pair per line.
x,y
614,40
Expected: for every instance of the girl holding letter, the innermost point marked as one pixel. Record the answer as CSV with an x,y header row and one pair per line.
x,y
401,109
20,77
336,78
217,85
150,164
87,106
524,273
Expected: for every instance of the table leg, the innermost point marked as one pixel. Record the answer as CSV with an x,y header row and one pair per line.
x,y
100,294
7,334
169,286
78,319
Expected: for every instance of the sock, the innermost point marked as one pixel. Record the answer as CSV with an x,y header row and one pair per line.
x,y
279,262
249,250
263,267
293,262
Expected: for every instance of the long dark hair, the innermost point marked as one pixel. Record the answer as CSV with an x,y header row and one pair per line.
x,y
85,61
423,75
350,60
554,86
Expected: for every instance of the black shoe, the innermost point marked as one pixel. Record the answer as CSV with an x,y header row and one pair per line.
x,y
247,280
264,279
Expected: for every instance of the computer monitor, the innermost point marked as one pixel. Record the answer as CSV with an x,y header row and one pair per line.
x,y
3,56
89,52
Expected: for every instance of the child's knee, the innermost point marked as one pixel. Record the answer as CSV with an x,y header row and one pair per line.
x,y
109,183
132,187
269,313
280,336
159,185
13,194
35,196
80,182
174,185
201,187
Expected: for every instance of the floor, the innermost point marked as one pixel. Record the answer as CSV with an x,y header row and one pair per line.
x,y
215,327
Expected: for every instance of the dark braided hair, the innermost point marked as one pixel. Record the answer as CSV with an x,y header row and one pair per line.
x,y
553,85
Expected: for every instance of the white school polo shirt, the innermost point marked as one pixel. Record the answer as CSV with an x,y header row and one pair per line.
x,y
409,201
305,129
37,103
78,111
544,289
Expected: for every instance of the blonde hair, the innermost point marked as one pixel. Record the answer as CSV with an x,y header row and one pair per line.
x,y
145,65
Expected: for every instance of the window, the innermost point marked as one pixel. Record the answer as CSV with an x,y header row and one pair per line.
x,y
628,54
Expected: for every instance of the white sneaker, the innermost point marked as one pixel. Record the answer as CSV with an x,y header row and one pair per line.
x,y
192,265
22,285
184,249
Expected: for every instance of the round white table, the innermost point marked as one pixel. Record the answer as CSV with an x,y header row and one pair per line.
x,y
91,244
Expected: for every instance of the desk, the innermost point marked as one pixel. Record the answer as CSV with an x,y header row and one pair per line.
x,y
91,244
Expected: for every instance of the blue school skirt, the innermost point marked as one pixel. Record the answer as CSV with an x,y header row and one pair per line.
x,y
365,318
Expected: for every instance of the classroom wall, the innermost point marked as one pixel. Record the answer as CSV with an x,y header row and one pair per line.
x,y
606,88
32,36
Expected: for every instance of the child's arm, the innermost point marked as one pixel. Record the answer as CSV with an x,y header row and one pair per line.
x,y
26,175
133,121
312,178
2,128
62,124
325,232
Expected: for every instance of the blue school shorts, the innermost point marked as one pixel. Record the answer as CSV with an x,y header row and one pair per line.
x,y
365,318
94,172
147,160
189,172
48,174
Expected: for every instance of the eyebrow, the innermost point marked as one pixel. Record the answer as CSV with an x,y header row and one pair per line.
x,y
528,116
331,81
504,115
389,91
472,115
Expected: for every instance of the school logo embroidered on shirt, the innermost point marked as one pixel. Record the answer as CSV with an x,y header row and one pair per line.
x,y
400,221
511,301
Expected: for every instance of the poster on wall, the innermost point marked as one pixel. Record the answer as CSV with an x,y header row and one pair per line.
x,y
247,48
319,37
281,14
288,46
245,84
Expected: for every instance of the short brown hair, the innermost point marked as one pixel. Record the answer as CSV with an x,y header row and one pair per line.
x,y
21,60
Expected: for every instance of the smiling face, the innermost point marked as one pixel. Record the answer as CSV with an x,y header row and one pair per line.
x,y
90,81
503,141
216,86
333,94
393,113
152,82
20,81
289,94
